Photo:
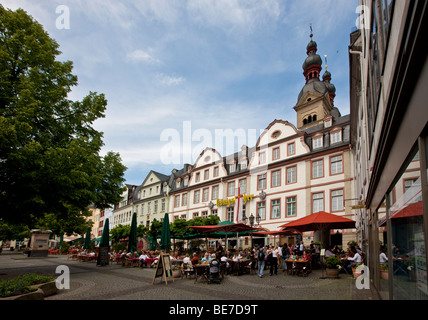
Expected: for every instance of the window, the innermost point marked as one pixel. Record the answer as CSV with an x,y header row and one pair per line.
x,y
149,208
163,205
336,165
261,210
177,201
215,171
261,184
142,209
291,206
205,193
262,157
198,177
276,178
276,209
243,185
291,149
317,202
215,193
230,213
206,174
317,169
184,199
156,206
196,196
231,189
291,175
337,200
214,212
317,143
335,137
275,154
204,214
243,164
232,167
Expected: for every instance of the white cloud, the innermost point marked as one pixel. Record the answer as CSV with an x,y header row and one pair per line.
x,y
142,56
166,80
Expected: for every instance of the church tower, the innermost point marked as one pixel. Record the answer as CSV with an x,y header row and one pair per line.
x,y
316,100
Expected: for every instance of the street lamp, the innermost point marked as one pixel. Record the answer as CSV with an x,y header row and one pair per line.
x,y
251,223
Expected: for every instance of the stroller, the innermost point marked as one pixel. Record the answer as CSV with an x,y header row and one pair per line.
x,y
214,272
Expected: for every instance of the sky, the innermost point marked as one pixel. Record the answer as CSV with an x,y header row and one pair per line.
x,y
184,75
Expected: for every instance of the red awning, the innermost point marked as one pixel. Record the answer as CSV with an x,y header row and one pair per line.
x,y
320,221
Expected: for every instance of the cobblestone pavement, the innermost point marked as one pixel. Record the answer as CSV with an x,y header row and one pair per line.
x,y
114,282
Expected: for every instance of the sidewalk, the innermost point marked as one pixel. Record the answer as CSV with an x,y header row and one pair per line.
x,y
114,282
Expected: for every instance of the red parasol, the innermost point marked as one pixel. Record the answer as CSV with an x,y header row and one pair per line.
x,y
320,221
412,210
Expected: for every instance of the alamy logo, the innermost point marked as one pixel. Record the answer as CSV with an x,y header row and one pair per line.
x,y
63,20
363,281
63,280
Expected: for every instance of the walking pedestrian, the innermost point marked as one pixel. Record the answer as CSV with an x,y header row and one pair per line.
x,y
274,261
285,255
261,255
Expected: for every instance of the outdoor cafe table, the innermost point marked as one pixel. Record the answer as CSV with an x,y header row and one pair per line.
x,y
149,261
297,264
201,270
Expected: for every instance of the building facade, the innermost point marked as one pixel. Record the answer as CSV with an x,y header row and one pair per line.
x,y
290,173
388,84
151,198
122,213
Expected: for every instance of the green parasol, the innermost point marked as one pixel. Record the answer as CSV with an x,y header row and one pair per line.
x,y
132,244
104,242
87,243
165,242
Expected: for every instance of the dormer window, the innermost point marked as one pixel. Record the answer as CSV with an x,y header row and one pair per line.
x,y
336,136
317,142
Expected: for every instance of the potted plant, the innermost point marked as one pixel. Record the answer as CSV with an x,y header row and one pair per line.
x,y
384,274
357,269
176,271
333,267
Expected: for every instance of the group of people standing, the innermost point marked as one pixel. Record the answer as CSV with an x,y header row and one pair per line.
x,y
276,255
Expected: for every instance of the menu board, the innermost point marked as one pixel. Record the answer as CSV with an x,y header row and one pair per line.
x,y
103,258
163,268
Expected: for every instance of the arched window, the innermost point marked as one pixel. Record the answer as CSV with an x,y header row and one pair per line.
x,y
309,119
314,118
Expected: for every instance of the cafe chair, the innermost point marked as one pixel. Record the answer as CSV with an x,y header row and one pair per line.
x,y
187,270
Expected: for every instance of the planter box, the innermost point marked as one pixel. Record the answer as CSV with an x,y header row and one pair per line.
x,y
384,274
36,295
48,288
332,273
43,290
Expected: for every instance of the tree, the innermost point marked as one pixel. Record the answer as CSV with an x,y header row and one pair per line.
x,y
50,160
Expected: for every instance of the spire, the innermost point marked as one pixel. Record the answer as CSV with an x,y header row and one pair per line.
x,y
330,87
312,65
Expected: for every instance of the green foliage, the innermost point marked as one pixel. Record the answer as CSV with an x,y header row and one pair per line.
x,y
22,284
333,262
65,246
49,150
13,231
120,232
384,266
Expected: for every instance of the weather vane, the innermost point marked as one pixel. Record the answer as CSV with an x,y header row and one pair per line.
x,y
310,26
326,64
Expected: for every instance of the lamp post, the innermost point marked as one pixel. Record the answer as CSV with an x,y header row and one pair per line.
x,y
251,224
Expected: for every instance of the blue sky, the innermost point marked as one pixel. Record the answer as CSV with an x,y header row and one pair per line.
x,y
201,65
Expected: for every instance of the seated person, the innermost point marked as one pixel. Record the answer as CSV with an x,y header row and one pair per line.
x,y
186,259
306,256
206,259
329,253
195,259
